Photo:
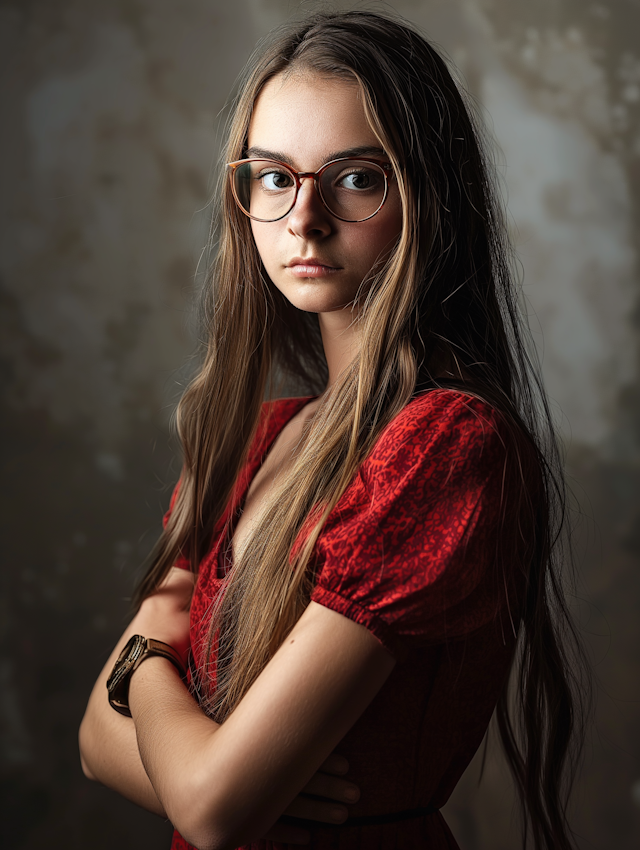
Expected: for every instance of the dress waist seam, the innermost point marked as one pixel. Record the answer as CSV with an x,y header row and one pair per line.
x,y
391,817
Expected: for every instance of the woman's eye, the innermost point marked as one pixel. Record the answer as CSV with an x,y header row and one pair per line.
x,y
275,180
360,179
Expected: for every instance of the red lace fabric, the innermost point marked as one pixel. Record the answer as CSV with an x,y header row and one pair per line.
x,y
422,550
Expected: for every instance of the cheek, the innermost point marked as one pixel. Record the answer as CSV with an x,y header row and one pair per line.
x,y
392,225
263,236
380,237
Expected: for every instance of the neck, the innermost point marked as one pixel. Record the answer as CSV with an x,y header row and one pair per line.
x,y
340,340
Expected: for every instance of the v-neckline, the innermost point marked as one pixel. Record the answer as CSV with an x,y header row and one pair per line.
x,y
236,505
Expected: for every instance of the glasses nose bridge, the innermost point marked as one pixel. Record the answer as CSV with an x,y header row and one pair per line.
x,y
307,175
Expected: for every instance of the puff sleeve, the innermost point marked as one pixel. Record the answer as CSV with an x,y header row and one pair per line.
x,y
412,549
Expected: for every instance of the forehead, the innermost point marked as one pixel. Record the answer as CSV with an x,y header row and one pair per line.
x,y
306,119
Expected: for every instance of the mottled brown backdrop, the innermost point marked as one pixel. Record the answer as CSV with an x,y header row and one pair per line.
x,y
109,117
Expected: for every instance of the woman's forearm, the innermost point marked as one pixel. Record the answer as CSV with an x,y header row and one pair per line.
x,y
224,786
109,748
175,742
108,743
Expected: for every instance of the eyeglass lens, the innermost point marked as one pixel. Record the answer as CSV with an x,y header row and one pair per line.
x,y
351,189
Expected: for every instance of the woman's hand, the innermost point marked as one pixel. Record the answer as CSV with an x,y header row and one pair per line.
x,y
325,783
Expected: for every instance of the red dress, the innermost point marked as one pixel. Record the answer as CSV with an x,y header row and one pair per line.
x,y
410,553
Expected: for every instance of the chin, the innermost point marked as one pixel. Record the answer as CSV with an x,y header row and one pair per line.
x,y
319,305
315,297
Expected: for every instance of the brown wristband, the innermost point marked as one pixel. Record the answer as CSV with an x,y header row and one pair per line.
x,y
136,650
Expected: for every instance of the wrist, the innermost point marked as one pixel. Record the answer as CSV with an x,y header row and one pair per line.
x,y
137,650
147,679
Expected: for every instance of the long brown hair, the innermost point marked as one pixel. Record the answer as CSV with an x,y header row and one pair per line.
x,y
444,296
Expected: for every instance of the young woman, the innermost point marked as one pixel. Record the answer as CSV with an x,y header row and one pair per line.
x,y
352,568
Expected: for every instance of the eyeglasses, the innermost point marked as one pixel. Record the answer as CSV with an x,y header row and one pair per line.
x,y
351,189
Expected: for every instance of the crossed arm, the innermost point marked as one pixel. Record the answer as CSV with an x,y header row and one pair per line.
x,y
226,785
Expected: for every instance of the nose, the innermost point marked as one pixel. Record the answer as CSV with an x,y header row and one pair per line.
x,y
309,216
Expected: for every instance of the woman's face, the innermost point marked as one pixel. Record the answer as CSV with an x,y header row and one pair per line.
x,y
317,261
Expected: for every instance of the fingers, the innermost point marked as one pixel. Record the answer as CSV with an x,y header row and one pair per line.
x,y
317,810
325,783
332,787
336,764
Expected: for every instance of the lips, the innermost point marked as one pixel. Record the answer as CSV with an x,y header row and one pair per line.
x,y
311,267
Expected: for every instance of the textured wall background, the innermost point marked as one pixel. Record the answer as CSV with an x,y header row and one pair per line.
x,y
109,113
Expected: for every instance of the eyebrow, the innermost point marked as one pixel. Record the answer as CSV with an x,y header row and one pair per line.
x,y
349,153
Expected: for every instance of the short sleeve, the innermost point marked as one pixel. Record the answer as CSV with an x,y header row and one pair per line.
x,y
410,551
